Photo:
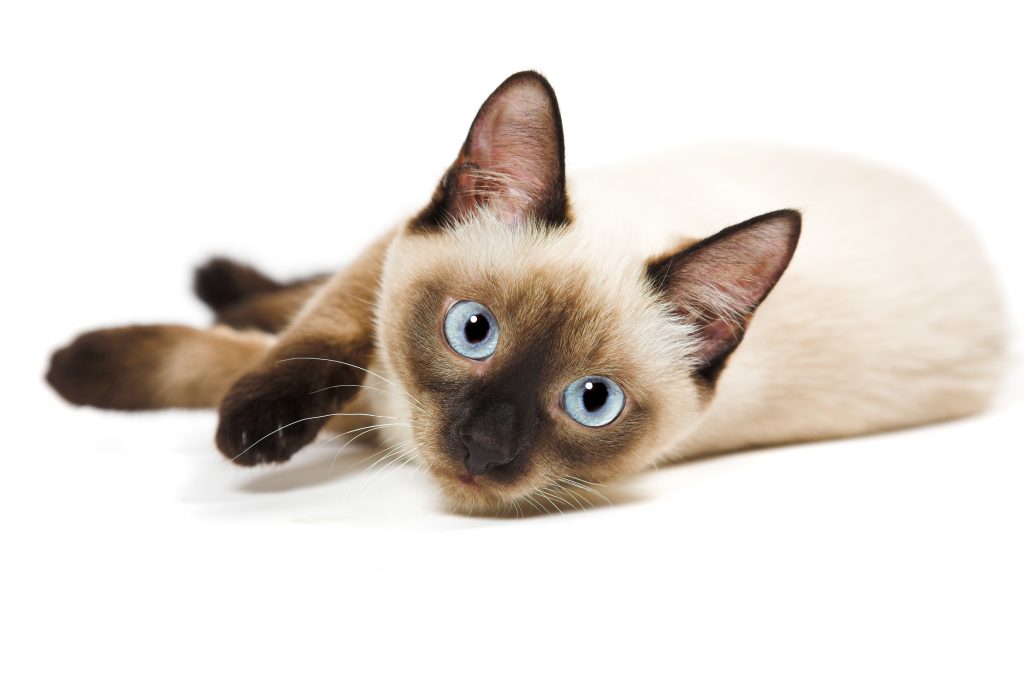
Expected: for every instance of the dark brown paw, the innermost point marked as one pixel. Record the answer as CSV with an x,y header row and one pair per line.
x,y
110,368
271,413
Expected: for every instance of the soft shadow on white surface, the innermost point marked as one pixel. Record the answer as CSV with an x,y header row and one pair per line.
x,y
323,484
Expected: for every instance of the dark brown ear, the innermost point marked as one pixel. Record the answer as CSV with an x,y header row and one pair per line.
x,y
719,282
513,160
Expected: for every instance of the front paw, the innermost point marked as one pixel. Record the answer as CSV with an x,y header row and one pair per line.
x,y
271,413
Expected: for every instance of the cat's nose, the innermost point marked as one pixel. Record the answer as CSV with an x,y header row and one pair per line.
x,y
484,452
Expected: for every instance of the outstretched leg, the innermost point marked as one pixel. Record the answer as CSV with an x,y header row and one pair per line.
x,y
145,367
328,345
244,298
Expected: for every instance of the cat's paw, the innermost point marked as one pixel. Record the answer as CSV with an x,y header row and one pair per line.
x,y
110,368
273,412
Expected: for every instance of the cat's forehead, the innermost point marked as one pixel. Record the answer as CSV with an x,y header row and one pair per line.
x,y
585,296
554,263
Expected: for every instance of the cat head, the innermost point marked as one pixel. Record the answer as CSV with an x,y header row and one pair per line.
x,y
543,355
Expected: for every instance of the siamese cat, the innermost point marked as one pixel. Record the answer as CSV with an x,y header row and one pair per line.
x,y
527,336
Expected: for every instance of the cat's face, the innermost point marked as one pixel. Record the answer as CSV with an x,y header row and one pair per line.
x,y
540,360
534,369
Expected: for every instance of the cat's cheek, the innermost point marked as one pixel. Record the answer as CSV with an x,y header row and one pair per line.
x,y
475,368
480,368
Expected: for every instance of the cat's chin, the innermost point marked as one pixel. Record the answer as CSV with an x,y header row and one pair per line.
x,y
478,495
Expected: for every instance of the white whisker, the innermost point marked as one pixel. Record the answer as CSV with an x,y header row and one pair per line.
x,y
363,431
556,496
397,460
306,419
529,499
388,454
572,482
583,500
352,365
383,391
544,495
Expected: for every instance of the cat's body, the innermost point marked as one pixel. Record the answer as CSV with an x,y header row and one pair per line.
x,y
887,317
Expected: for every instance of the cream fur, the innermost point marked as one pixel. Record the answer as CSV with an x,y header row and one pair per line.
x,y
887,316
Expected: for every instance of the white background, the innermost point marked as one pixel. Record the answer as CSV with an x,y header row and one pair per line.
x,y
138,138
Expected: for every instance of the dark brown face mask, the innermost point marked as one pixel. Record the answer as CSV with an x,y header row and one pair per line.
x,y
494,420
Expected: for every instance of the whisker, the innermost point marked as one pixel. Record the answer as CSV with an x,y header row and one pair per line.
x,y
582,481
396,423
369,427
563,491
586,488
416,470
386,451
529,499
352,365
542,494
306,419
383,391
384,454
403,458
554,486
394,464
583,500
363,432
559,498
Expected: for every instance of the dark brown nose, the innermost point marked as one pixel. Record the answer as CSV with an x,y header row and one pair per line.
x,y
484,452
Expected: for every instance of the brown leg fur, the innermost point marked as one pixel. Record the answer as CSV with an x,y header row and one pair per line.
x,y
244,298
282,395
269,312
146,367
263,388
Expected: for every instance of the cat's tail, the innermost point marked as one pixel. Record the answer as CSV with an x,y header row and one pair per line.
x,y
146,367
244,298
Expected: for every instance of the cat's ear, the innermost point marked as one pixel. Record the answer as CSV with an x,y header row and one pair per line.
x,y
718,283
513,160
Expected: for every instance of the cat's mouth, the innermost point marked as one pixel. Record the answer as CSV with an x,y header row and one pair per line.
x,y
474,493
468,480
496,490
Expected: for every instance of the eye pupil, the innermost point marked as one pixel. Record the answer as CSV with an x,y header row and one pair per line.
x,y
593,401
471,330
594,396
477,328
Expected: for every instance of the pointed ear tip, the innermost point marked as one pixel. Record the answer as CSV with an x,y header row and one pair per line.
x,y
787,221
528,77
791,217
527,74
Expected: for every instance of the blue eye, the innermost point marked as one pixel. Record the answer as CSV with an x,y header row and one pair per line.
x,y
593,401
471,330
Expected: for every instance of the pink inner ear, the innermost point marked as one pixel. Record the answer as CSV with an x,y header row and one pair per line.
x,y
512,157
719,282
717,335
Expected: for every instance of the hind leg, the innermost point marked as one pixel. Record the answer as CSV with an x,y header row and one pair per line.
x,y
244,298
146,367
